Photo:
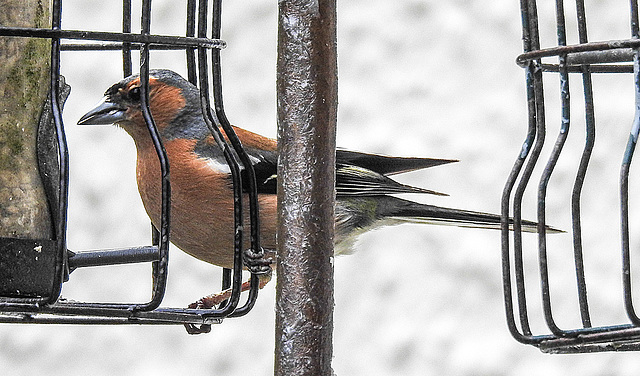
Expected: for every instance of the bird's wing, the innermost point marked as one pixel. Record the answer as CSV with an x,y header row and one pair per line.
x,y
264,163
265,166
352,178
365,174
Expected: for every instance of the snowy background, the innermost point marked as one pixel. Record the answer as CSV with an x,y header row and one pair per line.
x,y
417,78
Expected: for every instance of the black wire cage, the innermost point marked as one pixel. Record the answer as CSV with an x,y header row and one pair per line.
x,y
563,62
31,286
34,297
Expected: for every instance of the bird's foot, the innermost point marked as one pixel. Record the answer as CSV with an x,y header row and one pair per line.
x,y
257,262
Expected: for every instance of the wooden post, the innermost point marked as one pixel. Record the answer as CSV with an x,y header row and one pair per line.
x,y
307,107
24,85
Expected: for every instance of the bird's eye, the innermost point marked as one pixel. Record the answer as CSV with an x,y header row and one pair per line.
x,y
134,93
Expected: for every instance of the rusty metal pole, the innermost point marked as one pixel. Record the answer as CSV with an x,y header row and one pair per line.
x,y
307,106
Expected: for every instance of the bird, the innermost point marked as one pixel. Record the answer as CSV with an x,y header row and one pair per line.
x,y
202,222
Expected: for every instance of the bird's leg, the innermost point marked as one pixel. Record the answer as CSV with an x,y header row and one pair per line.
x,y
257,262
213,300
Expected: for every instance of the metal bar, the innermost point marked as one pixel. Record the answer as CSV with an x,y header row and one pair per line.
x,y
254,286
67,308
598,57
585,47
160,267
592,346
226,283
191,52
28,32
537,120
529,36
624,68
113,256
254,218
307,104
81,320
610,339
624,177
115,46
504,220
548,170
530,149
56,111
234,166
582,170
538,106
127,65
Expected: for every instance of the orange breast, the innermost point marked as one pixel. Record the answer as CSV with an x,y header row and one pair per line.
x,y
201,203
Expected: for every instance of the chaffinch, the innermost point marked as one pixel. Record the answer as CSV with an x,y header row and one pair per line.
x,y
201,197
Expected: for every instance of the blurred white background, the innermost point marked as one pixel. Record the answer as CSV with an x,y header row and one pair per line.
x,y
416,78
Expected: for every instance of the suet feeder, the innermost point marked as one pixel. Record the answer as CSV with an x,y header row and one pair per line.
x,y
32,271
564,62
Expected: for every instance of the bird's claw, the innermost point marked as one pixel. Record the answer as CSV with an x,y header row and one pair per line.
x,y
256,262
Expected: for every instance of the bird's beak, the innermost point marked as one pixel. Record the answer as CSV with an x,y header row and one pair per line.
x,y
105,112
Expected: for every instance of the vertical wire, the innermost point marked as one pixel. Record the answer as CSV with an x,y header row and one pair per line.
x,y
531,40
624,176
211,121
506,194
193,75
235,142
191,52
160,268
127,68
533,147
234,166
63,155
582,170
233,139
192,72
548,170
254,219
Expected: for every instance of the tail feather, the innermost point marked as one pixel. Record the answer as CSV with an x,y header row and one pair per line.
x,y
356,215
408,211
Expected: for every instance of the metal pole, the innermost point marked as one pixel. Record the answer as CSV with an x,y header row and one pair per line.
x,y
307,104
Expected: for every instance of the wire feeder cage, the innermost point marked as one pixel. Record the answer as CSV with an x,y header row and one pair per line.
x,y
564,62
40,280
32,295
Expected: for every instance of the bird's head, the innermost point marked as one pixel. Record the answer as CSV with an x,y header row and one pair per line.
x,y
174,103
